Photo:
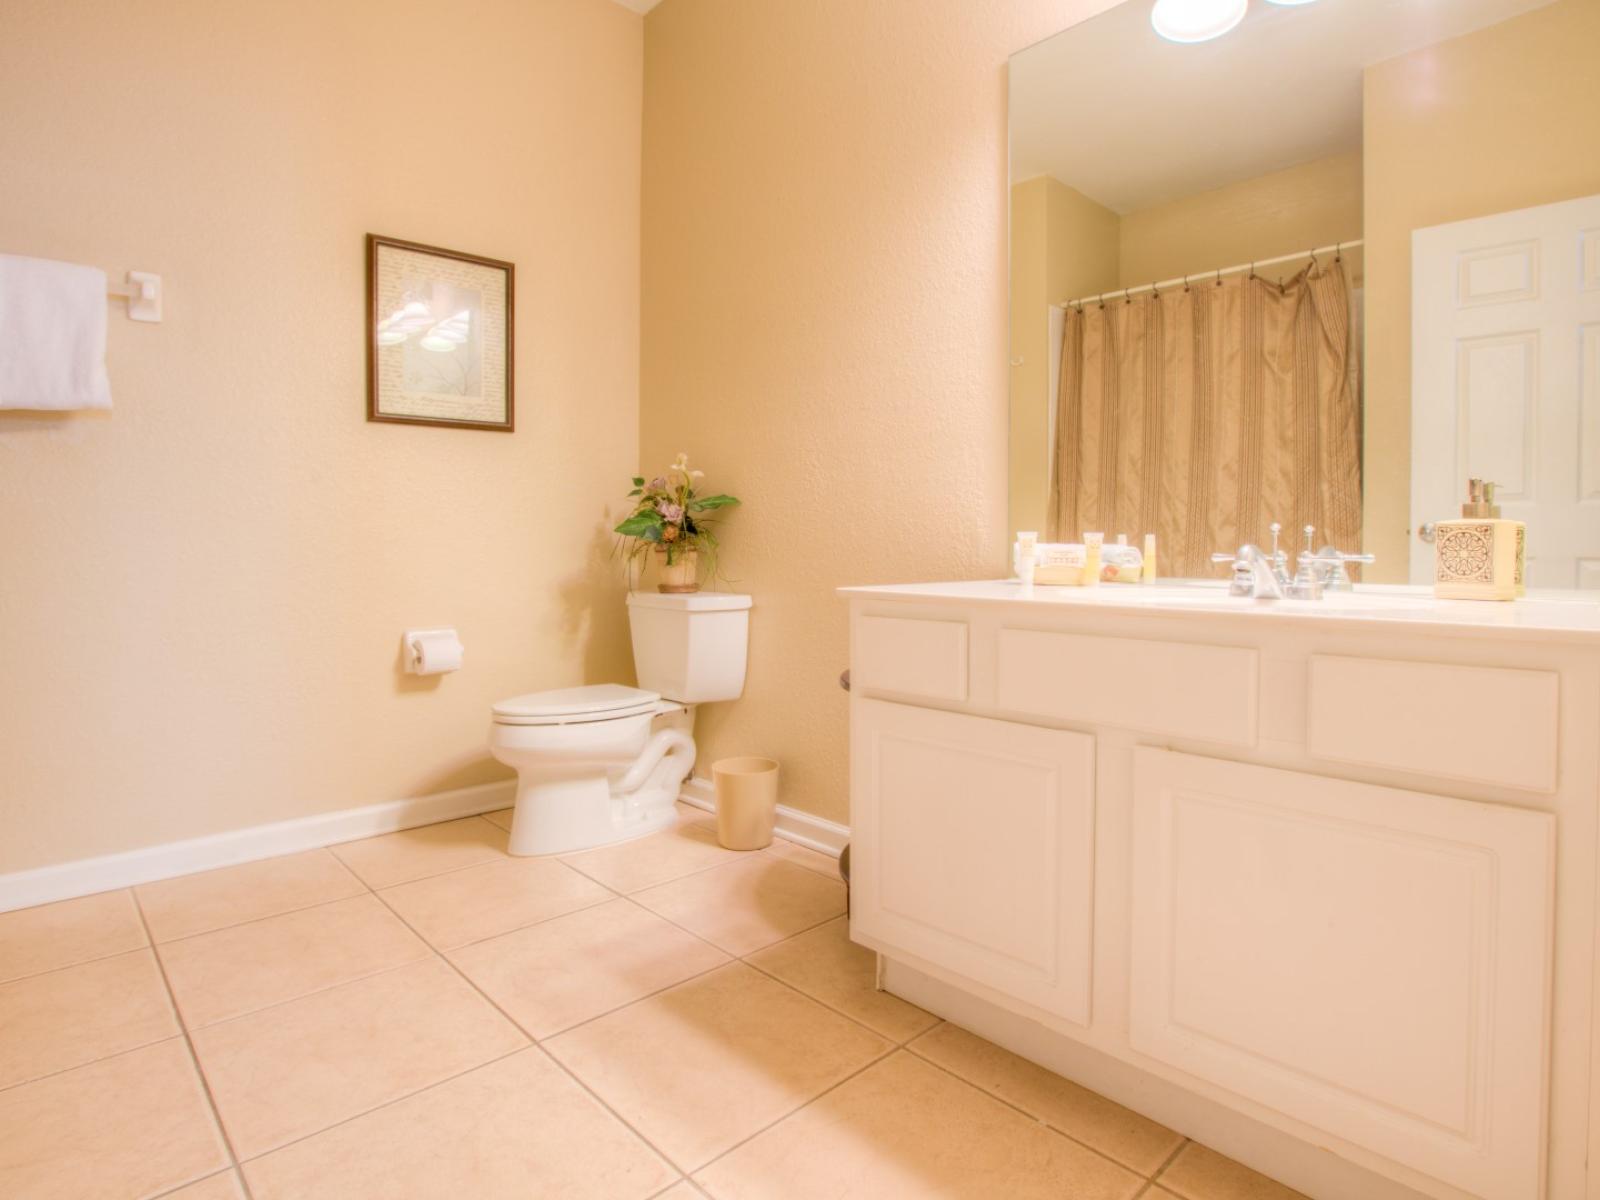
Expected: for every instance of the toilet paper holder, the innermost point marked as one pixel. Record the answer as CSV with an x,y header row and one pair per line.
x,y
431,651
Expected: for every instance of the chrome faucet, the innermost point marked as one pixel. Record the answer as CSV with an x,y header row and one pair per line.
x,y
1265,576
1256,573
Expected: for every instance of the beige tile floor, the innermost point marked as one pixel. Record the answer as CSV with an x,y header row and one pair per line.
x,y
420,1015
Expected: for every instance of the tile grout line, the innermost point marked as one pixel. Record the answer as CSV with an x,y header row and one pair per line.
x,y
288,912
84,962
666,987
331,987
804,1104
745,960
727,862
899,1043
99,1059
610,896
234,1172
194,1058
390,1103
535,1043
729,960
1183,1145
1037,1120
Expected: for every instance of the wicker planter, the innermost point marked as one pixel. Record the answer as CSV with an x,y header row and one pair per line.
x,y
682,574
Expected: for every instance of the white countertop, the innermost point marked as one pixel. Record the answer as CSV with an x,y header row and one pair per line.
x,y
1566,616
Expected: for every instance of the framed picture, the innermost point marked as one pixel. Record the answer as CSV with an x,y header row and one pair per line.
x,y
439,336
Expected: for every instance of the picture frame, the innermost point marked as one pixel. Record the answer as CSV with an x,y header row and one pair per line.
x,y
440,336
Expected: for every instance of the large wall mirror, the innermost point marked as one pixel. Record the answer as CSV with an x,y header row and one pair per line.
x,y
1318,270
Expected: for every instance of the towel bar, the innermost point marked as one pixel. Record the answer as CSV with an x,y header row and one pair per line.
x,y
143,294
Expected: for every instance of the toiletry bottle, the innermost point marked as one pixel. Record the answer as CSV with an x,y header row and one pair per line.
x,y
1149,575
1026,556
1479,555
1091,558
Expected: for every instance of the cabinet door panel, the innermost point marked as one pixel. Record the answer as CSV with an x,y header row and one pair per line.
x,y
972,849
1372,961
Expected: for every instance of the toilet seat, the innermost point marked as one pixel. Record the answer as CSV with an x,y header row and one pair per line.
x,y
576,706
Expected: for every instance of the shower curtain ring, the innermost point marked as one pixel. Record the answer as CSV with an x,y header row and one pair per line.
x,y
1186,285
1338,252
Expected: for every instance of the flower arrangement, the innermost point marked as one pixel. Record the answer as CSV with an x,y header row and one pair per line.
x,y
669,517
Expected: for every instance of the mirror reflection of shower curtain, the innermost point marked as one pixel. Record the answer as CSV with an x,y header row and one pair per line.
x,y
1204,414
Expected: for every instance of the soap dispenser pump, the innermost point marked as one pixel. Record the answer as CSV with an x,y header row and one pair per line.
x,y
1480,555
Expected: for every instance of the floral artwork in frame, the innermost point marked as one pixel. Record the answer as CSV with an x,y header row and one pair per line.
x,y
439,336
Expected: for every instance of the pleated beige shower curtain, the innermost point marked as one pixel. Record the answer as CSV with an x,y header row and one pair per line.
x,y
1203,414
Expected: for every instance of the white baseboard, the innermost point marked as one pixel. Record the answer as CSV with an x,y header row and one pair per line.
x,y
802,828
23,889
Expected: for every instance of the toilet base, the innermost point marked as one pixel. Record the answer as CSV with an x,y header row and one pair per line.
x,y
560,810
560,816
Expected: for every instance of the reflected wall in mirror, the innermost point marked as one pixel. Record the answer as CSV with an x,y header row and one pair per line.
x,y
1212,287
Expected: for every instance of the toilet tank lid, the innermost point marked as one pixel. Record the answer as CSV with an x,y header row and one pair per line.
x,y
690,601
578,701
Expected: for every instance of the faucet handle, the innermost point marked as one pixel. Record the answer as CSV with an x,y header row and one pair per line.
x,y
1275,529
1310,532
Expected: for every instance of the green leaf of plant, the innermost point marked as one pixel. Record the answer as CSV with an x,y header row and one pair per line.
x,y
635,492
706,502
641,525
638,481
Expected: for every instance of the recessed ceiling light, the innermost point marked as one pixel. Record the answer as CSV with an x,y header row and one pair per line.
x,y
1196,20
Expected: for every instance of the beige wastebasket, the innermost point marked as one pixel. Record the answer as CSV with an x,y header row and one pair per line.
x,y
747,801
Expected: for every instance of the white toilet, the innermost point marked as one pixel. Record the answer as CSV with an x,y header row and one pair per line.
x,y
604,763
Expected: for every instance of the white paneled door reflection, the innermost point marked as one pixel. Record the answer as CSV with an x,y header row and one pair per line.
x,y
1506,380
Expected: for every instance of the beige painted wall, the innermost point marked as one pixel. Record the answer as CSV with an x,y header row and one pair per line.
x,y
1501,119
825,318
1062,244
1283,212
202,592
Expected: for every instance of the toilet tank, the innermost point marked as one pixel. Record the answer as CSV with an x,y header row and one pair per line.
x,y
690,647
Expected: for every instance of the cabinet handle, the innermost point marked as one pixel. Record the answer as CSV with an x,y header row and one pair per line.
x,y
1425,532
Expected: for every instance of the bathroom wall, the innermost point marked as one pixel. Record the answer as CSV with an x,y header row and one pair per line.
x,y
1062,244
825,318
1299,208
1501,119
202,592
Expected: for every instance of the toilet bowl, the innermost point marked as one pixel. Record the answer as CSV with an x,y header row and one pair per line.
x,y
604,763
594,764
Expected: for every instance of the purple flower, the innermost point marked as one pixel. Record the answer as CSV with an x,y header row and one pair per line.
x,y
658,484
670,512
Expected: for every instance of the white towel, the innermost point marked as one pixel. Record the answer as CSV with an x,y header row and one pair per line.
x,y
52,335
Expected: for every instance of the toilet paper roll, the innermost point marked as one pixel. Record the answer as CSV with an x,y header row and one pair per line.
x,y
435,651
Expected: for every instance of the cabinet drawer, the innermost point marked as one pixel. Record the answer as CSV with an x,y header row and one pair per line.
x,y
1482,724
1371,961
910,656
972,851
1175,688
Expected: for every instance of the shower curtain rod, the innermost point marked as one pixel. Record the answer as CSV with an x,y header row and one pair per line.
x,y
1336,248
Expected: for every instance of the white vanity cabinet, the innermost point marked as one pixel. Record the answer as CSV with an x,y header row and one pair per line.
x,y
947,799
1290,879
